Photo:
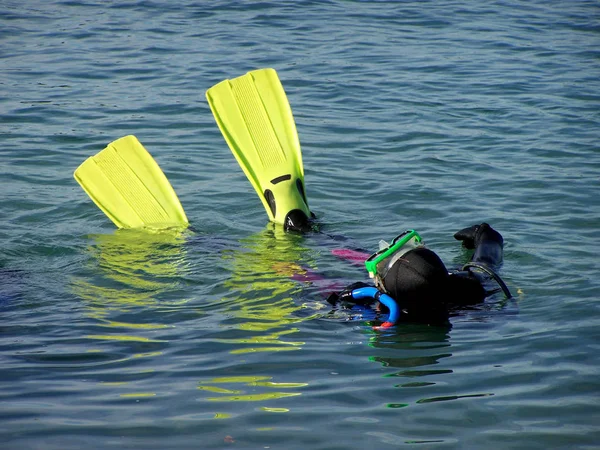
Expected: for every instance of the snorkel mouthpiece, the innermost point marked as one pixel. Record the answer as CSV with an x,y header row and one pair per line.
x,y
386,300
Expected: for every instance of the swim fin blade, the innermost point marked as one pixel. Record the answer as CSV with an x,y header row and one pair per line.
x,y
127,184
255,118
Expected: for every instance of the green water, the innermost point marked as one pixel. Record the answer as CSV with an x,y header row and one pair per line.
x,y
428,115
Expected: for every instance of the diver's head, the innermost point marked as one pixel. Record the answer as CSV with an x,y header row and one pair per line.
x,y
418,274
413,275
418,281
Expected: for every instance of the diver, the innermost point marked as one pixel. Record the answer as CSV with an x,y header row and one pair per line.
x,y
412,284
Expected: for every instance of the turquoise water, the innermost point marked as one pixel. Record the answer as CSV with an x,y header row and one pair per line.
x,y
434,115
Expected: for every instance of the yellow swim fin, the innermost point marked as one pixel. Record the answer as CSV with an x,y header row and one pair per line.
x,y
129,186
254,115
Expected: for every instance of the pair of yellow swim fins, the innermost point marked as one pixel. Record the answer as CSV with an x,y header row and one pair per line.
x,y
255,118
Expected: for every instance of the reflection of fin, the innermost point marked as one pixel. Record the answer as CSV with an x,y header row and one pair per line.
x,y
353,256
262,289
256,120
127,184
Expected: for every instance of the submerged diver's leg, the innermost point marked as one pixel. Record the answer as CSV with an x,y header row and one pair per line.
x,y
486,241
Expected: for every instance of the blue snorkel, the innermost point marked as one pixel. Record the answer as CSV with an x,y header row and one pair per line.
x,y
389,302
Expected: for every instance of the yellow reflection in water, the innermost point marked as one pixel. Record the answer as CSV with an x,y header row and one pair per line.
x,y
240,395
253,397
141,326
121,337
262,289
132,268
263,313
138,395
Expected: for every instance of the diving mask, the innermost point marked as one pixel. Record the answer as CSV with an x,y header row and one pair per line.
x,y
379,263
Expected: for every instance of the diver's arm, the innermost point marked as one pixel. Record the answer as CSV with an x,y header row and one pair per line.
x,y
486,241
488,245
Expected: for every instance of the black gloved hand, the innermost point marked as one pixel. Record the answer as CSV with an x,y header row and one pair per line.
x,y
467,236
475,234
486,241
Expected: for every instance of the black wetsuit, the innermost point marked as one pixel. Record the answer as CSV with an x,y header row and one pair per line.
x,y
426,292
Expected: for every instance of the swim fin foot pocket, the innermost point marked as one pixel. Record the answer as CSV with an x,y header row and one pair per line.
x,y
297,220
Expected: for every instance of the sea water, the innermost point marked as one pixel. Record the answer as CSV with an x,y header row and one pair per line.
x,y
429,115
